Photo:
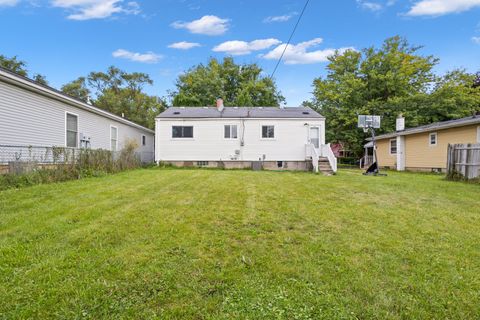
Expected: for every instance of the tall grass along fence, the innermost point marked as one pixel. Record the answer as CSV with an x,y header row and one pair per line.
x,y
463,162
28,165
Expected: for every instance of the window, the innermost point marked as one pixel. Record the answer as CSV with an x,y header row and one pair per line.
x,y
144,140
280,164
202,163
182,132
393,146
432,139
268,132
478,134
230,132
71,130
113,138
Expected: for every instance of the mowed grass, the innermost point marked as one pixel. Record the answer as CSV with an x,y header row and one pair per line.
x,y
212,244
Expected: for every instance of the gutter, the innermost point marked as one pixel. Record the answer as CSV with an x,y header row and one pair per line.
x,y
465,122
30,85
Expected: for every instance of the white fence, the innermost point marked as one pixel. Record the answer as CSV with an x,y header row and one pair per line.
x,y
463,161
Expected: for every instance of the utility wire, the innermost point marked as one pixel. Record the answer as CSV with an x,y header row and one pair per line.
x,y
290,38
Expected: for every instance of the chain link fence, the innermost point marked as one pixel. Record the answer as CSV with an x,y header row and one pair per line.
x,y
13,155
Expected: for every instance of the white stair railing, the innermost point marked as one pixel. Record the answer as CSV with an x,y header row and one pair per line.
x,y
326,151
311,152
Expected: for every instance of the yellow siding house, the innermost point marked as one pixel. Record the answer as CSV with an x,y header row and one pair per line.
x,y
424,148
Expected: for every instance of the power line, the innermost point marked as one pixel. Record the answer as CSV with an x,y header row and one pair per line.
x,y
290,38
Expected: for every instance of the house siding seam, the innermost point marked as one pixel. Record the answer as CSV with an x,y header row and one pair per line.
x,y
420,155
209,144
28,118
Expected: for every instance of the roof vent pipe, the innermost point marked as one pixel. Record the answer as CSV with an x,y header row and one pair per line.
x,y
400,124
220,104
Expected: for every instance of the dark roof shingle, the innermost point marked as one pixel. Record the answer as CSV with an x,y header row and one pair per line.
x,y
239,112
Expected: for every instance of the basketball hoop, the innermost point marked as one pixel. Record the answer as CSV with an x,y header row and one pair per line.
x,y
370,123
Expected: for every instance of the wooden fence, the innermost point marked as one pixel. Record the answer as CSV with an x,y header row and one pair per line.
x,y
463,161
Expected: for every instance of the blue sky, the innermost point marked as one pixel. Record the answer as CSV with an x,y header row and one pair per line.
x,y
65,39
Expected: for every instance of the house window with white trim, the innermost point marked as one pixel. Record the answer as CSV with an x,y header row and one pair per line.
x,y
432,139
113,138
268,132
230,132
71,130
393,146
182,132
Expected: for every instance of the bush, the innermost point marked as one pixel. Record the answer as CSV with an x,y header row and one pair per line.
x,y
71,164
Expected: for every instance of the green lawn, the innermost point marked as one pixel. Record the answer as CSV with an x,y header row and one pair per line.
x,y
212,244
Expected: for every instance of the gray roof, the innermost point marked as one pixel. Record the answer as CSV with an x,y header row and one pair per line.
x,y
240,112
433,127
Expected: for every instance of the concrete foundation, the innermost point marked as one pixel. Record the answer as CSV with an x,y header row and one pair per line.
x,y
265,165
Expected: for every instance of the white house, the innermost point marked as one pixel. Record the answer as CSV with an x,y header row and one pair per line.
x,y
243,137
34,118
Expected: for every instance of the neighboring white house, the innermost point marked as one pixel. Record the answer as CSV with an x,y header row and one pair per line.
x,y
34,116
243,137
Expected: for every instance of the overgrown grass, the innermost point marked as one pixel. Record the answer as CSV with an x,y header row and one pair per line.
x,y
206,244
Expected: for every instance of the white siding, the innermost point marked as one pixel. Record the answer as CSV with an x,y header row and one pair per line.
x,y
208,141
28,118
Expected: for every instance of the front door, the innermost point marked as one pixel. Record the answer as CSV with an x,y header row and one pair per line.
x,y
315,136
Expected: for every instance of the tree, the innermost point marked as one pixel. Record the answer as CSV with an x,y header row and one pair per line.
x,y
14,65
388,81
41,79
237,85
77,89
120,93
19,67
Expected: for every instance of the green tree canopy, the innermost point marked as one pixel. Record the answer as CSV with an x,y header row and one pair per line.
x,y
237,85
19,67
387,81
118,92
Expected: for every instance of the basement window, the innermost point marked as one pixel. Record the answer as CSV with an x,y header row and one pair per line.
x,y
393,146
432,139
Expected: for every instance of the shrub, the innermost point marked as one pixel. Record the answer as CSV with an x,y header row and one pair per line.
x,y
71,164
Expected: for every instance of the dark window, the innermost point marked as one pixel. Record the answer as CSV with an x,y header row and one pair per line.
x,y
393,146
230,132
144,140
182,132
279,164
72,130
268,132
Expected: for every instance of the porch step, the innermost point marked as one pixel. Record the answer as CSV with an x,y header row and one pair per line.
x,y
324,166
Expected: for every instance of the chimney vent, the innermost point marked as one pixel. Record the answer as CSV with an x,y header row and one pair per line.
x,y
400,125
220,104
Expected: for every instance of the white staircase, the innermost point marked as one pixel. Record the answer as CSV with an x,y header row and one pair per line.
x,y
323,159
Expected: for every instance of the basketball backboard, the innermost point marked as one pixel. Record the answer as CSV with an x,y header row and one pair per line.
x,y
365,121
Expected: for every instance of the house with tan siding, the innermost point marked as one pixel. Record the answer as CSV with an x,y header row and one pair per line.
x,y
424,148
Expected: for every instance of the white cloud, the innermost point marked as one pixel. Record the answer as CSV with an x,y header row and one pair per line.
x,y
96,9
476,40
282,18
184,45
372,6
208,25
148,57
237,48
298,54
8,3
441,7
